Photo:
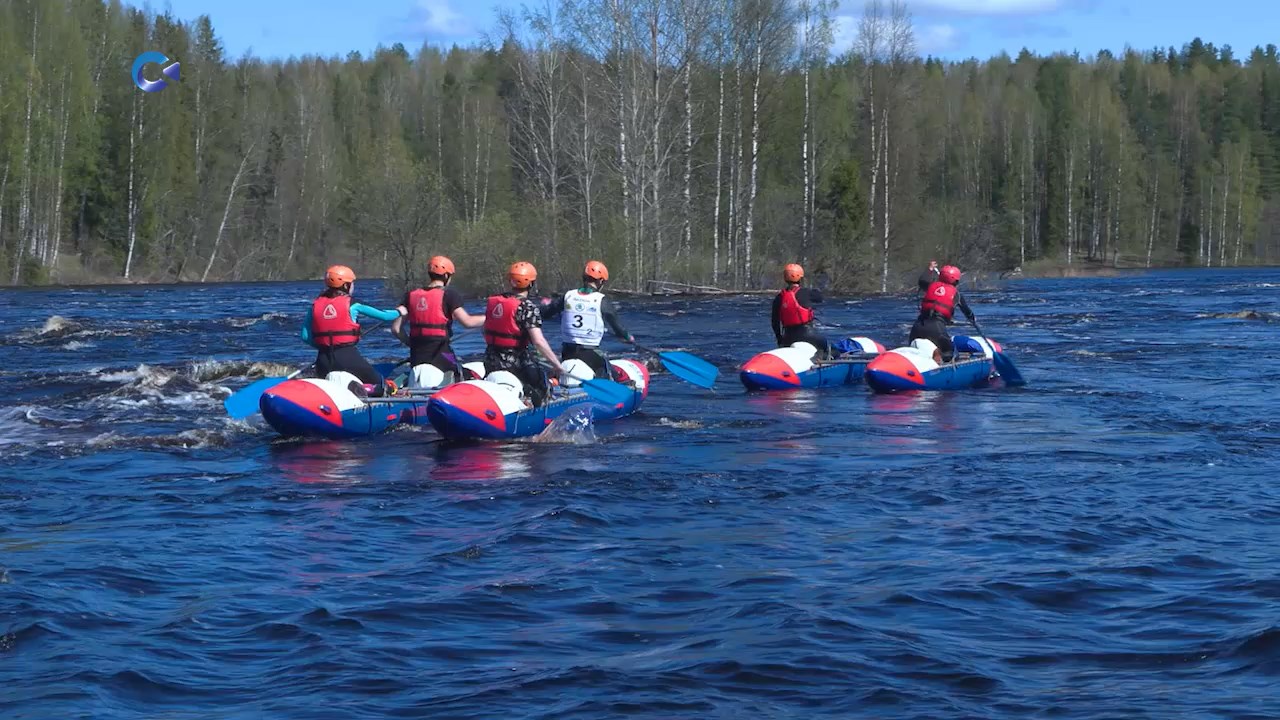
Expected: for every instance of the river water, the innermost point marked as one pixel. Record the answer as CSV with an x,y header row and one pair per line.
x,y
1102,543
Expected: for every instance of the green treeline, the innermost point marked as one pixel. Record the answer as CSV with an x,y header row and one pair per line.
x,y
695,141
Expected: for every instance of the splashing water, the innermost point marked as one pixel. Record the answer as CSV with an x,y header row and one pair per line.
x,y
573,427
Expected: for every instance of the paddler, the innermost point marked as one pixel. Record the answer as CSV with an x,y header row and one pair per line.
x,y
937,309
792,316
333,329
429,313
584,314
512,322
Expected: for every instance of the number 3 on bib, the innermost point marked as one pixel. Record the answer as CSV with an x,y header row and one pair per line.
x,y
585,324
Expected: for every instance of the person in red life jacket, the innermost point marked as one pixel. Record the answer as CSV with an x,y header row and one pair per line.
x,y
585,313
929,276
937,310
333,329
426,325
512,322
792,316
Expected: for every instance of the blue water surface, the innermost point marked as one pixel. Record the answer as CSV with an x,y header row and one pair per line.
x,y
1103,543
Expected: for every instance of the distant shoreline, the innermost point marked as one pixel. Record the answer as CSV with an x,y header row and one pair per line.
x,y
1035,271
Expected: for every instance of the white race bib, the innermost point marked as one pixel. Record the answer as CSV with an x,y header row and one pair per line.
x,y
582,322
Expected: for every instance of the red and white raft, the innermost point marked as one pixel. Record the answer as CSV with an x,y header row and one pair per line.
x,y
495,409
913,367
797,366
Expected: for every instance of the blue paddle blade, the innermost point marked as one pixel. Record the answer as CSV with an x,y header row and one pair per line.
x,y
607,391
690,368
244,402
386,368
1007,370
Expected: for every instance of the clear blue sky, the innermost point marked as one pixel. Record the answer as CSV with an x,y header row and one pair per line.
x,y
954,29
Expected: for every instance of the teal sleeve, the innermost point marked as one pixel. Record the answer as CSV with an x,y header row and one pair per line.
x,y
358,309
306,331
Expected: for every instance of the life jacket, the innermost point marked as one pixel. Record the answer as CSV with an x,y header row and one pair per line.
x,y
939,299
426,314
582,322
500,328
331,323
792,314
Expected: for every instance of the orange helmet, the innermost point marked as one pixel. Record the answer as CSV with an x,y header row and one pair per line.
x,y
596,271
793,273
522,275
339,275
440,265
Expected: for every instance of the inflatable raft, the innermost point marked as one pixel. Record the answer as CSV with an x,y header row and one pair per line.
x,y
495,409
335,406
796,366
914,368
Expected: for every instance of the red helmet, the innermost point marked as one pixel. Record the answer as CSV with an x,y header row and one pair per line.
x,y
793,273
440,265
596,271
522,275
949,274
338,276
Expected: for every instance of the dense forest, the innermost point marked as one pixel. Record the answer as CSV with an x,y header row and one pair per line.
x,y
697,141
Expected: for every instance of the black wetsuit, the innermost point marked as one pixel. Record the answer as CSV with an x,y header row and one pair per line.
x,y
806,298
933,327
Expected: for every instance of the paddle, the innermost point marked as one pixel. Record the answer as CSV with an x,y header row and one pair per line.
x,y
686,366
607,392
604,391
1004,364
386,368
244,402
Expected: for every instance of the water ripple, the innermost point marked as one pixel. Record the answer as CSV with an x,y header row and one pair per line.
x,y
1100,544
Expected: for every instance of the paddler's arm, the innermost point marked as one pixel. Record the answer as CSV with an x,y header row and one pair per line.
x,y
610,314
306,331
808,297
466,319
399,323
550,307
927,278
540,341
453,299
358,309
775,320
964,307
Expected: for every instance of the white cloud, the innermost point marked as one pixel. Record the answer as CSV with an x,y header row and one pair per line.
x,y
989,7
937,39
931,39
435,18
844,30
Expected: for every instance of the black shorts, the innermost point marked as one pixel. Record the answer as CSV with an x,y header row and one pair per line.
x,y
933,329
524,367
432,351
806,333
348,359
591,356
